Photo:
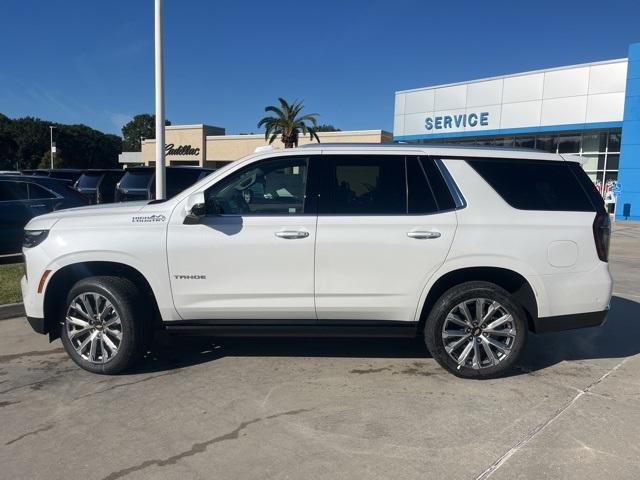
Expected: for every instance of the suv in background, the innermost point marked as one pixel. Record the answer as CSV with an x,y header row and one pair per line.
x,y
99,185
23,197
470,248
139,183
71,174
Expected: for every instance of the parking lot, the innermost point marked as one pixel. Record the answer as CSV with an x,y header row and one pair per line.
x,y
331,408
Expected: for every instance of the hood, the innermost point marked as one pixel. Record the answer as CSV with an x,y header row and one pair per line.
x,y
45,222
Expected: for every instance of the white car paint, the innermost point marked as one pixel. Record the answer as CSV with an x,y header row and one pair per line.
x,y
345,269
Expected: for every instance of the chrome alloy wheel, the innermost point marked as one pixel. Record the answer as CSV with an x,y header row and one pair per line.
x,y
93,327
478,333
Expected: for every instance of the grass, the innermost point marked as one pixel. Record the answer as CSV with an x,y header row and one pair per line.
x,y
10,283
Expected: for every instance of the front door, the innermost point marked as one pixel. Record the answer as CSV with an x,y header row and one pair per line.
x,y
251,257
385,225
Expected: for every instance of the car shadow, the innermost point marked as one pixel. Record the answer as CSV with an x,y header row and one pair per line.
x,y
617,338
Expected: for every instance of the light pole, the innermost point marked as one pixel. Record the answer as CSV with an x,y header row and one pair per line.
x,y
53,145
160,167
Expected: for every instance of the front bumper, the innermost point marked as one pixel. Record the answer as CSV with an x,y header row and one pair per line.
x,y
570,322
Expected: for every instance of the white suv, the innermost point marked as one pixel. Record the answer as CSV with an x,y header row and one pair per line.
x,y
471,247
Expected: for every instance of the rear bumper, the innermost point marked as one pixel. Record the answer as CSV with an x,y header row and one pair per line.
x,y
570,322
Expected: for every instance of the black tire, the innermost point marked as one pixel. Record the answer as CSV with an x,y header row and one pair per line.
x,y
433,329
135,321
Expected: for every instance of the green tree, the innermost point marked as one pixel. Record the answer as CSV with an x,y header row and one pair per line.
x,y
327,127
25,143
288,123
142,125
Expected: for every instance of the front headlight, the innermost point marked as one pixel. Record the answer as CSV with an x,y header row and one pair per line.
x,y
34,237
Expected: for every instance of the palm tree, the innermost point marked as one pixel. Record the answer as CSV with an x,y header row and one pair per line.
x,y
288,124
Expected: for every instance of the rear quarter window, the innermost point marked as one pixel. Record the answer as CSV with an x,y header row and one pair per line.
x,y
535,184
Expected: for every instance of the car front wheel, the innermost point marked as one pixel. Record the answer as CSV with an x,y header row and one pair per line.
x,y
476,330
103,328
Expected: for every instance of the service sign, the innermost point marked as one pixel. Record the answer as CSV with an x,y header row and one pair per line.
x,y
463,120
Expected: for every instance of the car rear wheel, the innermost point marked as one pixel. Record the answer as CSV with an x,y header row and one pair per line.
x,y
105,324
476,330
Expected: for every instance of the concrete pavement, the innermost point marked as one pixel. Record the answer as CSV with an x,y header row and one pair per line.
x,y
331,408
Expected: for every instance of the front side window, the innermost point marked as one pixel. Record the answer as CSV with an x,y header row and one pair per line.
x,y
270,187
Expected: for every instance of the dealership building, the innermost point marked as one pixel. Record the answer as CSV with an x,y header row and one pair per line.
x,y
208,146
591,110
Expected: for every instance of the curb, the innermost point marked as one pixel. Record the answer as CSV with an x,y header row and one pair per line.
x,y
11,310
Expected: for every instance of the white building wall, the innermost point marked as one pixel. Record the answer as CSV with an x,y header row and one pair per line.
x,y
573,95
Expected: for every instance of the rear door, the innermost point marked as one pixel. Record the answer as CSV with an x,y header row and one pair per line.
x,y
385,225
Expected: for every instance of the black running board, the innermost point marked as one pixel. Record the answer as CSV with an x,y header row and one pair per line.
x,y
333,329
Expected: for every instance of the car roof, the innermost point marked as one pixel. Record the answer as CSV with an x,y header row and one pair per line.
x,y
36,179
442,150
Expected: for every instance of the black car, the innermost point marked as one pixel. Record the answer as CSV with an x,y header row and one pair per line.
x,y
99,185
72,174
23,197
139,183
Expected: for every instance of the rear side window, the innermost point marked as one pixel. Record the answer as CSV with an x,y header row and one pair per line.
x,y
89,180
535,184
441,191
37,192
136,180
363,185
420,194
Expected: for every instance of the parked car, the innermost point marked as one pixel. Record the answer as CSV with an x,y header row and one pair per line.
x,y
24,197
139,183
62,173
469,248
99,185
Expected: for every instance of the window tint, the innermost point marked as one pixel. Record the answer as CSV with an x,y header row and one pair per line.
x,y
535,185
362,184
10,191
89,180
441,191
136,179
420,196
180,179
37,192
269,187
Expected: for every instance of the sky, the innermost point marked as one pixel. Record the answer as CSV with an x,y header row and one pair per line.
x,y
91,62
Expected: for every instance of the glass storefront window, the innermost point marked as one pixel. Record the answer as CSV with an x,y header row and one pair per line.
x,y
594,142
547,144
614,142
569,144
611,176
504,142
613,161
525,142
591,162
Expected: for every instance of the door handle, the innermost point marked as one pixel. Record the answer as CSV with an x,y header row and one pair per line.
x,y
419,234
292,234
38,205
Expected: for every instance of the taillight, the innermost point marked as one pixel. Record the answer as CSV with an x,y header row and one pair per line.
x,y
602,234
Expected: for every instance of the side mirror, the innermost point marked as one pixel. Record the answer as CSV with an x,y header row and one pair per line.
x,y
195,209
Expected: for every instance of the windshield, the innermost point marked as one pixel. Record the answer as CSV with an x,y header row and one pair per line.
x,y
136,180
89,180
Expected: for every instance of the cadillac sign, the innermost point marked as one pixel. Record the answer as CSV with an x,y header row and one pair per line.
x,y
180,150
